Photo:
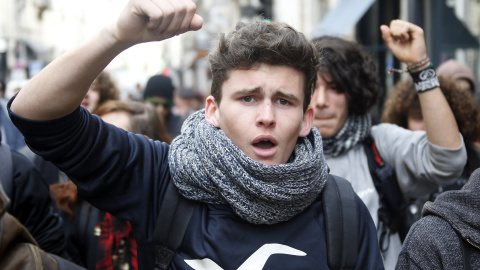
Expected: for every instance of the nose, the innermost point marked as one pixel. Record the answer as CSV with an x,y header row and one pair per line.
x,y
320,98
266,115
88,93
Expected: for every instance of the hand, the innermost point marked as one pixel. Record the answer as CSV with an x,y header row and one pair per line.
x,y
154,20
405,40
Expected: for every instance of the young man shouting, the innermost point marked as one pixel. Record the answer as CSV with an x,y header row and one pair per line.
x,y
250,160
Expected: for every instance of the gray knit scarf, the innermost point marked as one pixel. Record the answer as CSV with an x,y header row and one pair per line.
x,y
207,166
355,130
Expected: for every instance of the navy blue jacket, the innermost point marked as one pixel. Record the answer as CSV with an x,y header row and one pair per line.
x,y
126,174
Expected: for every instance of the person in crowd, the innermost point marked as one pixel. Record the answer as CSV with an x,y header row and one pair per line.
x,y
448,234
159,92
460,74
97,239
187,101
19,249
135,117
251,160
347,88
403,109
462,78
30,200
102,89
94,239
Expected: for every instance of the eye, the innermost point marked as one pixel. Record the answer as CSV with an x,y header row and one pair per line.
x,y
283,102
335,88
248,99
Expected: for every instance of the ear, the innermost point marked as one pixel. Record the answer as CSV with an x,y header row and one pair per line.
x,y
212,111
306,122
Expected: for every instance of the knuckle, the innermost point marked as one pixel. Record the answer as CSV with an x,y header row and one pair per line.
x,y
168,11
191,6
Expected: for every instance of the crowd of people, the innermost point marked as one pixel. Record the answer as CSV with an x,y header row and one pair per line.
x,y
251,160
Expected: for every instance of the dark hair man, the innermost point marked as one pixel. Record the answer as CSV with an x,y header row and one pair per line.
x,y
347,88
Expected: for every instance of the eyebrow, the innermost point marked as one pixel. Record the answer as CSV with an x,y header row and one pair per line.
x,y
259,90
256,90
287,96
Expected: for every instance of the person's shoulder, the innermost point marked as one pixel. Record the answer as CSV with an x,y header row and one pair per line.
x,y
431,244
430,233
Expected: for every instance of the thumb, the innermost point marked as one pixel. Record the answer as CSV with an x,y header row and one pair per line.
x,y
387,37
196,22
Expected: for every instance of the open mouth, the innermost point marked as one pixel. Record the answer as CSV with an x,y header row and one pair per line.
x,y
264,144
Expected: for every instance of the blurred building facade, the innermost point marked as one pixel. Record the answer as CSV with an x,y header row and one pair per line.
x,y
34,32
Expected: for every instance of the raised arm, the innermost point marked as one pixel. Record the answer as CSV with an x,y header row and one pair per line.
x,y
64,82
407,42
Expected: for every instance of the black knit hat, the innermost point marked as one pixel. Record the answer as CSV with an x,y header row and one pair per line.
x,y
159,86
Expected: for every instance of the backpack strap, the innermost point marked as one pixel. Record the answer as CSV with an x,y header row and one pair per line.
x,y
341,223
83,220
172,222
6,168
392,201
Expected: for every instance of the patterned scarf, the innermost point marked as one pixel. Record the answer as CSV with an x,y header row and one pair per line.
x,y
355,129
207,166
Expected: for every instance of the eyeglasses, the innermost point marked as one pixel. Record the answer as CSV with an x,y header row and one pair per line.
x,y
166,103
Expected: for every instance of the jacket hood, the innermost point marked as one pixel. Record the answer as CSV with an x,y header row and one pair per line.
x,y
460,208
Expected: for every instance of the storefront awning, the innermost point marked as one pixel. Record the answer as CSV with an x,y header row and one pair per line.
x,y
342,18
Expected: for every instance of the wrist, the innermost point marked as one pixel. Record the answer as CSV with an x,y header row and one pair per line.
x,y
113,40
413,67
418,66
425,79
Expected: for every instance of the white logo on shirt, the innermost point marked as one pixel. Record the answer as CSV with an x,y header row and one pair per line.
x,y
255,262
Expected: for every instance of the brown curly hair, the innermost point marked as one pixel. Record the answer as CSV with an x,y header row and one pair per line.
x,y
106,87
144,119
263,42
351,69
404,97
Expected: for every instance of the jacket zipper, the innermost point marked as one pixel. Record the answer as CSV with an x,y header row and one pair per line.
x,y
473,244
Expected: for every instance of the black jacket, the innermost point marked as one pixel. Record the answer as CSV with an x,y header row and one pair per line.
x,y
31,204
448,235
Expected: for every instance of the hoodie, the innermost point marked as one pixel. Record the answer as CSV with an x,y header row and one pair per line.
x,y
448,234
